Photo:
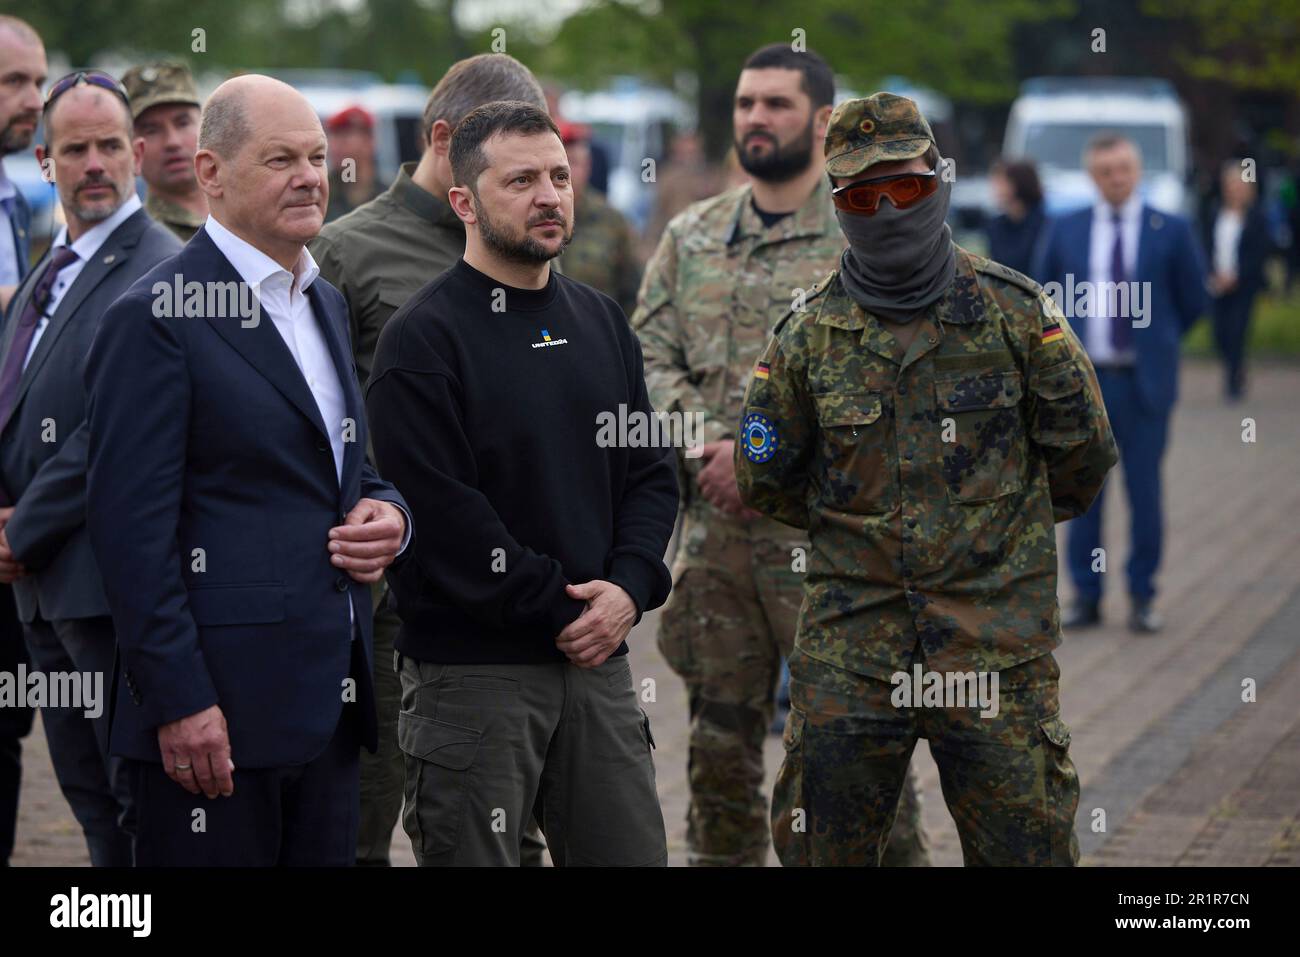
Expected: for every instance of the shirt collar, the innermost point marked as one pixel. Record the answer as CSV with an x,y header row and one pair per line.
x,y
816,217
254,266
1128,212
420,201
88,243
7,188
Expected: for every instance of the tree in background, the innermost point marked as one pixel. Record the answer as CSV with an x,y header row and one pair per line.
x,y
960,49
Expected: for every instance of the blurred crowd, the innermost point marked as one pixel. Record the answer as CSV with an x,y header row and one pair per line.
x,y
1238,237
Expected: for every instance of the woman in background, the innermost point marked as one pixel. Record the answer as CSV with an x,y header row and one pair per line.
x,y
1239,244
1014,236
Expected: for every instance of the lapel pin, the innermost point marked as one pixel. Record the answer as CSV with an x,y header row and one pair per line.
x,y
109,258
1157,220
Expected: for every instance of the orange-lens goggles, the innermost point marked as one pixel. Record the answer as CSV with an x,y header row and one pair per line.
x,y
903,190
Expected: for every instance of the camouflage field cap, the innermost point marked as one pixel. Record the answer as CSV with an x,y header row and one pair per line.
x,y
883,126
156,83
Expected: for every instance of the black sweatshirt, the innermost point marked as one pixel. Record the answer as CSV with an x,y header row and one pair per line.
x,y
487,420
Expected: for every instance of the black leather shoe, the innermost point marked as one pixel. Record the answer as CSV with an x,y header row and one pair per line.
x,y
1084,614
1144,619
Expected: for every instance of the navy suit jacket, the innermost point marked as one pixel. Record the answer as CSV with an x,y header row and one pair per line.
x,y
212,490
47,479
1253,248
1168,258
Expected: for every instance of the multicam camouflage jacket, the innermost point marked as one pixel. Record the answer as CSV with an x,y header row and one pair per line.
x,y
930,479
174,216
713,291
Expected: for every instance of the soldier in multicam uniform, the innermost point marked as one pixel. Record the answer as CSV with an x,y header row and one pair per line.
x,y
165,106
725,270
603,251
930,439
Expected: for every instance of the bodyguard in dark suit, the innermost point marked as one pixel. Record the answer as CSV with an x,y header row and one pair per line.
x,y
1238,242
1134,348
22,72
234,516
108,243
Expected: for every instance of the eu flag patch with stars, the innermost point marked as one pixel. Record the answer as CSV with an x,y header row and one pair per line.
x,y
758,435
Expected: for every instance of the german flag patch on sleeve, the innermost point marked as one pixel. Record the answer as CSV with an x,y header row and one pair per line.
x,y
762,370
1052,332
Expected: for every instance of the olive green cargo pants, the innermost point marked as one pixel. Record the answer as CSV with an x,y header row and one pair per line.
x,y
489,747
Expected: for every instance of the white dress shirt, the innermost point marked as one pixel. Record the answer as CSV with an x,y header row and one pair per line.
x,y
1102,243
1227,236
85,246
8,249
283,296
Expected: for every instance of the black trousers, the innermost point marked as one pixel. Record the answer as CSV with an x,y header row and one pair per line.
x,y
1231,319
15,723
303,815
92,782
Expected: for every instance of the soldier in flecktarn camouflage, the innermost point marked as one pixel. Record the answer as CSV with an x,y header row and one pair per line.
x,y
725,271
929,415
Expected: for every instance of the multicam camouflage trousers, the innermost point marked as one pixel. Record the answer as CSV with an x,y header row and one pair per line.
x,y
1007,778
729,621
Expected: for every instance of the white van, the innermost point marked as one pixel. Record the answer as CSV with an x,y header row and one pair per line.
x,y
1054,117
632,122
397,109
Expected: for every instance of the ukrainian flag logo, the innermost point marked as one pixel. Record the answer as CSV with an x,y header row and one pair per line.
x,y
546,336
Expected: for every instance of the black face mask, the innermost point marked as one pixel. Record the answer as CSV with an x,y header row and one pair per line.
x,y
900,260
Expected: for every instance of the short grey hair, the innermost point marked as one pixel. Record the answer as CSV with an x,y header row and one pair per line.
x,y
1109,139
224,127
471,83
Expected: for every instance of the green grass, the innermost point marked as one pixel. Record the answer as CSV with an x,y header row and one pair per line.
x,y
1274,329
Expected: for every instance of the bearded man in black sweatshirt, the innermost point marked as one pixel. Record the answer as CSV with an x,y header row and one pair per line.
x,y
542,530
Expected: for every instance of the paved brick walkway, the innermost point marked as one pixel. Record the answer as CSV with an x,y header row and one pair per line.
x,y
1184,771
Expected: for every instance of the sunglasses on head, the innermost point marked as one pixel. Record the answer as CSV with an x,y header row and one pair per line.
x,y
904,190
88,78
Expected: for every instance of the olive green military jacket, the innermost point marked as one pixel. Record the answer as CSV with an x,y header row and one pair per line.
x,y
381,253
930,481
714,290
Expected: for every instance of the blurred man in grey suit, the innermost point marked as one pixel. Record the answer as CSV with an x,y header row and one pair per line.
x,y
109,242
